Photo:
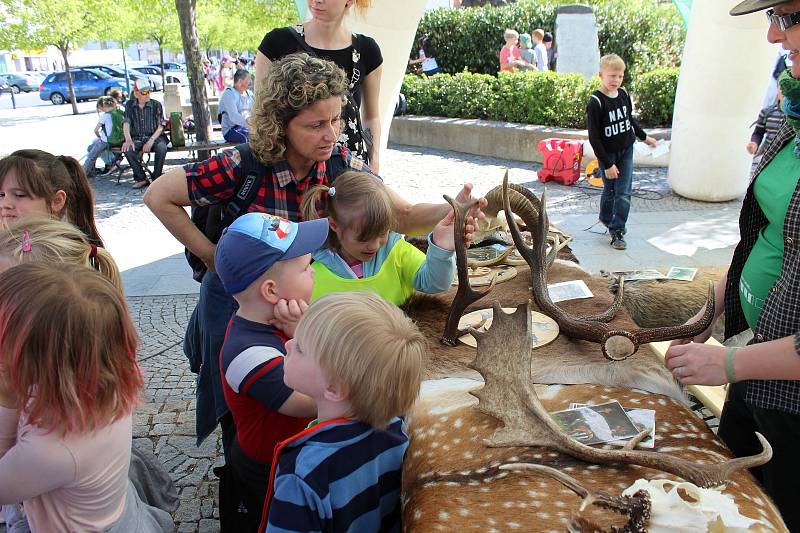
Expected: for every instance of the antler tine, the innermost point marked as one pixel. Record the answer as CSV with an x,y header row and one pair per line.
x,y
465,295
504,360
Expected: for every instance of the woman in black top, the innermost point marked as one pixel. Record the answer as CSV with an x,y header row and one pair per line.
x,y
326,36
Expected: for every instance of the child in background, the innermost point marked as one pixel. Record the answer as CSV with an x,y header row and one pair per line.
x,y
37,182
612,132
427,56
766,125
539,50
509,54
552,54
263,261
105,124
527,61
363,254
361,360
68,385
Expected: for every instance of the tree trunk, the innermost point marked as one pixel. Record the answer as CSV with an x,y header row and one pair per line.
x,y
161,55
70,85
194,69
125,66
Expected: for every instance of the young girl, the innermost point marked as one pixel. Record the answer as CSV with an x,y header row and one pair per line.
x,y
44,240
37,182
362,254
104,127
427,56
509,54
68,385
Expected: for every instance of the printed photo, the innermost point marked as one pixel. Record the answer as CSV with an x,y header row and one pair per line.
x,y
594,424
681,273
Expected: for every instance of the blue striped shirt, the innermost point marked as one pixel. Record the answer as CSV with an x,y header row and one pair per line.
x,y
337,477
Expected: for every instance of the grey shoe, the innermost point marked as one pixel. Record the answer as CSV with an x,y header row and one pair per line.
x,y
617,241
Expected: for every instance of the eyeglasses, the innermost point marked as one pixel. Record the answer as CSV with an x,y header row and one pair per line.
x,y
783,22
144,92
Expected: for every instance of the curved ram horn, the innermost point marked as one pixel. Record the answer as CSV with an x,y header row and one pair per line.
x,y
465,295
617,344
504,360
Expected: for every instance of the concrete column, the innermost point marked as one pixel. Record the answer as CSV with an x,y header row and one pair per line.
x,y
393,24
726,65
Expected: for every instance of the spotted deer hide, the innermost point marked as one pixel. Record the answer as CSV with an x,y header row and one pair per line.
x,y
452,481
563,361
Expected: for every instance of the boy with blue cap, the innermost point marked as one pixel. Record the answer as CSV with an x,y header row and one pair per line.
x,y
263,262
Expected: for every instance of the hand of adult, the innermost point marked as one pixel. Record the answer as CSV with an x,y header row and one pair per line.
x,y
751,148
465,196
612,173
127,145
288,314
697,364
146,147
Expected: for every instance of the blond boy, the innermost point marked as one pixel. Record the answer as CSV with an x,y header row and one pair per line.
x,y
263,262
361,359
539,49
612,132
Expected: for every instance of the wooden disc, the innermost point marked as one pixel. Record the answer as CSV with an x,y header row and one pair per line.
x,y
482,276
544,329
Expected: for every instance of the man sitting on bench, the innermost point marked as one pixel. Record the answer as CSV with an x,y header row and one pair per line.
x,y
142,128
235,104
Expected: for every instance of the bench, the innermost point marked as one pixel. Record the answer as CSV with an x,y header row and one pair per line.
x,y
192,147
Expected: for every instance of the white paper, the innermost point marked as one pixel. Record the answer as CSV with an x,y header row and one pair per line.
x,y
661,148
569,290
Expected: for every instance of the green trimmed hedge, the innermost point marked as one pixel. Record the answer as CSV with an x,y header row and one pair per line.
x,y
655,96
647,34
544,98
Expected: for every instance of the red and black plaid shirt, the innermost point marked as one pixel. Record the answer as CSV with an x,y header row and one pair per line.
x,y
216,180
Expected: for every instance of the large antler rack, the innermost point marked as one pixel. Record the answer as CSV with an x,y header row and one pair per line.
x,y
617,344
504,360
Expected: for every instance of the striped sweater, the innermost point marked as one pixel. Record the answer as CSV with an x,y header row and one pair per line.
x,y
338,476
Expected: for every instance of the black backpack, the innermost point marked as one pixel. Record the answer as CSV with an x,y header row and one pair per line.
x,y
212,219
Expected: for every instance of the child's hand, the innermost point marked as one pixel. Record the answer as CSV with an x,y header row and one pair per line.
x,y
751,148
444,232
650,141
612,173
287,315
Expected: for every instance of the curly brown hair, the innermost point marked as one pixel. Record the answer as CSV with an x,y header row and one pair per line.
x,y
294,83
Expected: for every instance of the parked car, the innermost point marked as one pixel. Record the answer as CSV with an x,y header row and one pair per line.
x,y
88,83
171,76
170,66
119,72
23,81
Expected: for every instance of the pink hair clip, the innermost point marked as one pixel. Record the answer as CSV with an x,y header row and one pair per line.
x,y
25,241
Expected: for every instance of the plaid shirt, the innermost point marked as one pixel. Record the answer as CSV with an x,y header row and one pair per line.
x,y
216,180
780,316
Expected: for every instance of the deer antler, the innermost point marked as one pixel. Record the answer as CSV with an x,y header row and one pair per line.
x,y
617,344
637,507
504,360
465,295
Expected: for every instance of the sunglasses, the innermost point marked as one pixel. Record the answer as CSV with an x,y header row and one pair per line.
x,y
144,92
783,22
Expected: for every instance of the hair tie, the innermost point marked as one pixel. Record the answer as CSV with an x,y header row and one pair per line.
x,y
331,191
25,242
93,253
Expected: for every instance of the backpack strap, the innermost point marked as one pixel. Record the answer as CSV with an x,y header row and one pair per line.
x,y
253,172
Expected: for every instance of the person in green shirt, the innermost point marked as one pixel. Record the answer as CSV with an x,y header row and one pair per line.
x,y
363,254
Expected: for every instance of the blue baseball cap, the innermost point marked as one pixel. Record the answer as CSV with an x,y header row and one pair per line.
x,y
256,241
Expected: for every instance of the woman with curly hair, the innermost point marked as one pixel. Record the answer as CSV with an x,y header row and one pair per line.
x,y
294,127
326,36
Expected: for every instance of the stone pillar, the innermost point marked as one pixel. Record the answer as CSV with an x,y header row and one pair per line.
x,y
172,98
719,96
393,24
578,44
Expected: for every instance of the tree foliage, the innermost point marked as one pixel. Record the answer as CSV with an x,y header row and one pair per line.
x,y
240,24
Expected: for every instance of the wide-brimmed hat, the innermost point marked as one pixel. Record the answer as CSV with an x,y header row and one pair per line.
x,y
751,6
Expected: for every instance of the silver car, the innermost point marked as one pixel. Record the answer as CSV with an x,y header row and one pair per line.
x,y
154,73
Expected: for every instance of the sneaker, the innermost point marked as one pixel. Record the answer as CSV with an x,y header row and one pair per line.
x,y
617,241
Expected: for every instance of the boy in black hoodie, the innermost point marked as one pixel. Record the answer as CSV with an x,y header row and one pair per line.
x,y
612,132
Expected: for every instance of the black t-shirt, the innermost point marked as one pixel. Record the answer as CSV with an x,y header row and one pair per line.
x,y
612,127
280,42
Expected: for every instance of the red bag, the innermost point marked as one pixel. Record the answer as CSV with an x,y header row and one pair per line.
x,y
561,160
